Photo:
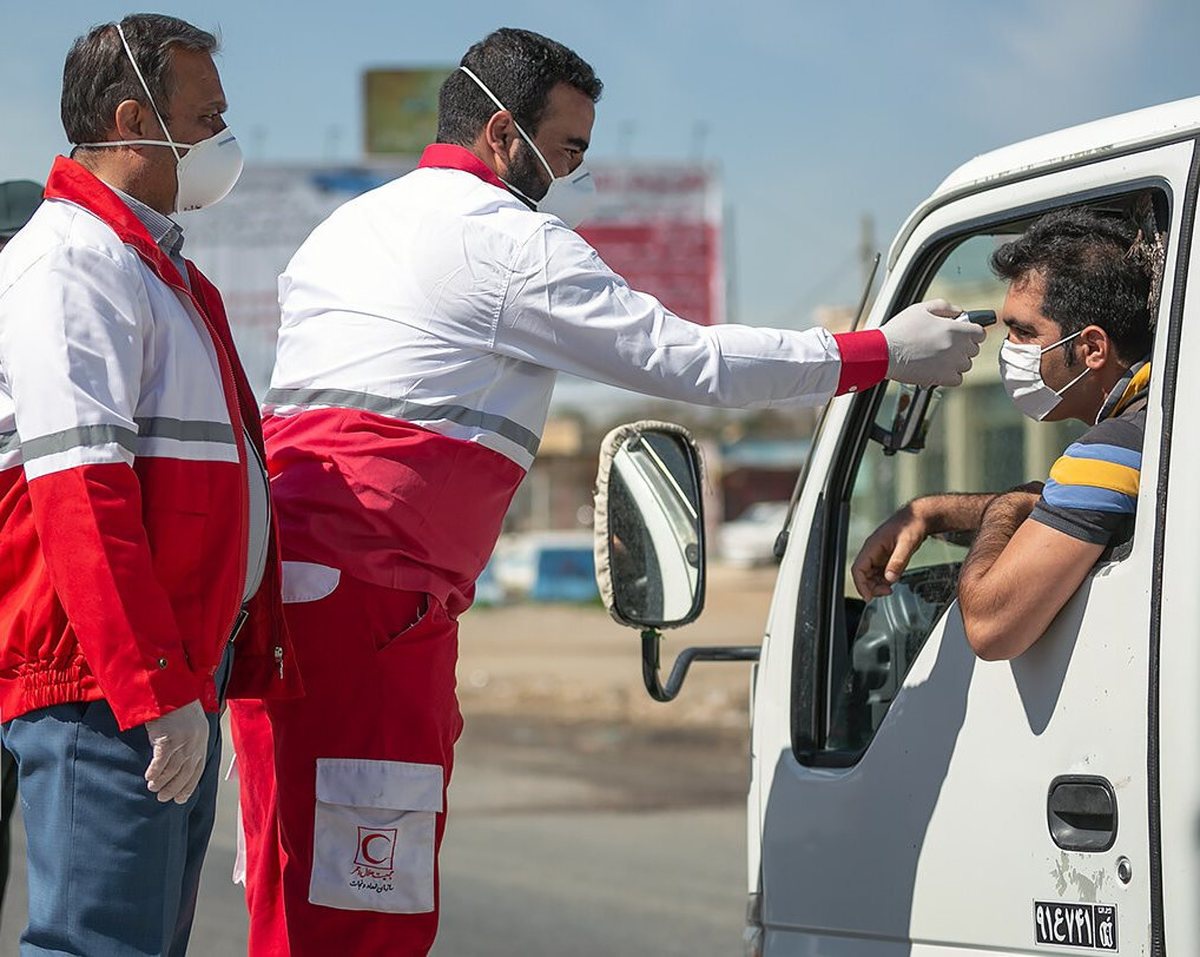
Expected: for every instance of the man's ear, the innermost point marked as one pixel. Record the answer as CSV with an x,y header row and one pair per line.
x,y
130,122
1097,347
498,136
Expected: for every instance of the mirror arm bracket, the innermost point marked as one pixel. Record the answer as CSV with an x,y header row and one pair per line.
x,y
651,661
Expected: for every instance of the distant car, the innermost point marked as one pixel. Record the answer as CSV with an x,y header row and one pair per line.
x,y
565,573
546,566
749,540
488,590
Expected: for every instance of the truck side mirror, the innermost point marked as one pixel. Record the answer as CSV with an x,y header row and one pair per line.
x,y
650,544
650,526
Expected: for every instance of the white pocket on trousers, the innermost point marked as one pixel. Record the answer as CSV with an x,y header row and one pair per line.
x,y
373,841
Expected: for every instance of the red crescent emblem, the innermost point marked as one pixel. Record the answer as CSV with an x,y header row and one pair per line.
x,y
366,849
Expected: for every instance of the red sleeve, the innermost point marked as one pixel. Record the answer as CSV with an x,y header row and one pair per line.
x,y
864,360
89,523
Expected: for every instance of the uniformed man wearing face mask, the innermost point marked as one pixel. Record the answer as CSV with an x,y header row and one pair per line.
x,y
1080,329
137,534
423,327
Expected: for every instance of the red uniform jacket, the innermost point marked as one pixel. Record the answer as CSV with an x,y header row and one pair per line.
x,y
124,413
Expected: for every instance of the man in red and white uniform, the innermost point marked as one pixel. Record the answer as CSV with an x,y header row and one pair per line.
x,y
423,327
135,528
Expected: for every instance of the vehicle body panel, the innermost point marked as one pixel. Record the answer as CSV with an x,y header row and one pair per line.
x,y
936,840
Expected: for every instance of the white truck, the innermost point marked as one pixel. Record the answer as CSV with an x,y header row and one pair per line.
x,y
906,798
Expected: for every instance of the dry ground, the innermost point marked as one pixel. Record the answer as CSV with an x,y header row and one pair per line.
x,y
575,663
567,777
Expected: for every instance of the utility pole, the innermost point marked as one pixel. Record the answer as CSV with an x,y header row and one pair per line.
x,y
729,236
625,132
258,143
866,246
333,139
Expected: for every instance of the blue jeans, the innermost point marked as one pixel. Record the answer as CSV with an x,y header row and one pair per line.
x,y
112,871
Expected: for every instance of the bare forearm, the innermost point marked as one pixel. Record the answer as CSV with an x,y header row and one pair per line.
x,y
984,593
952,512
961,511
998,523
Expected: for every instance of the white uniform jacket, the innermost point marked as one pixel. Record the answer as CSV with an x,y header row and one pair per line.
x,y
423,326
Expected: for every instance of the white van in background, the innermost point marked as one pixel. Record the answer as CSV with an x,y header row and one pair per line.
x,y
905,798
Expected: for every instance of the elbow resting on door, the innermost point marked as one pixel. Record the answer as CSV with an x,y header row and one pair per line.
x,y
993,640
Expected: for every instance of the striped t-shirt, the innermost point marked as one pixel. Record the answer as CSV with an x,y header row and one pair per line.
x,y
1092,491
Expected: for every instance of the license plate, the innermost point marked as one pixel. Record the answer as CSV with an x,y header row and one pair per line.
x,y
1082,926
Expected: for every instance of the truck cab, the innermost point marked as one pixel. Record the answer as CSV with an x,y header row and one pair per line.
x,y
906,798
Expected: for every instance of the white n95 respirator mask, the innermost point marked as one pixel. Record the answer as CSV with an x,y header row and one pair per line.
x,y
572,197
206,171
1021,371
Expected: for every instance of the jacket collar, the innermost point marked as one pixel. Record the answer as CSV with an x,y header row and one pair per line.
x,y
449,156
1133,385
72,183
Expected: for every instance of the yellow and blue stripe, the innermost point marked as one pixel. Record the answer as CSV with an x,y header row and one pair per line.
x,y
1095,476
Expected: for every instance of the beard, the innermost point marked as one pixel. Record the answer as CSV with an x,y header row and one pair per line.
x,y
525,173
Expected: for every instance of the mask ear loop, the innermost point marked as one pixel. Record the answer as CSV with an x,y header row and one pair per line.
x,y
149,96
1061,342
1063,390
500,106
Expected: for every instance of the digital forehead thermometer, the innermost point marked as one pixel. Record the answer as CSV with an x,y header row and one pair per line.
x,y
981,317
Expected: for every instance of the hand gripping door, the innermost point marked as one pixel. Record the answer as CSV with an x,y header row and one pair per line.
x,y
373,843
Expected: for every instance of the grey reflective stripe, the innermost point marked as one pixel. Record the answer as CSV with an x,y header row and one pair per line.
x,y
85,436
89,436
162,428
412,411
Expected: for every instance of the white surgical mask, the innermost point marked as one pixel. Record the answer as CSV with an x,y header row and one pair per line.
x,y
1021,370
206,172
571,197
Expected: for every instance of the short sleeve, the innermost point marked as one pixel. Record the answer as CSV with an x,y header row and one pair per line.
x,y
1092,491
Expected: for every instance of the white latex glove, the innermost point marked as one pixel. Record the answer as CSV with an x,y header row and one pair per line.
x,y
180,742
926,350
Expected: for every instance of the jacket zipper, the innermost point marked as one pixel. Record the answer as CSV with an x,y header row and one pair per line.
x,y
233,405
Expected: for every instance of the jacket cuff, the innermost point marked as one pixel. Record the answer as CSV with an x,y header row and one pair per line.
x,y
864,360
162,689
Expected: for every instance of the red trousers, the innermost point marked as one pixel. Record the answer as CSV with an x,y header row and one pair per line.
x,y
343,790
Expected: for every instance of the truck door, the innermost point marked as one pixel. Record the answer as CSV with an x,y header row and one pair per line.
x,y
907,798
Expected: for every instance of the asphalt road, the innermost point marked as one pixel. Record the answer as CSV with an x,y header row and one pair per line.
x,y
594,842
585,818
590,840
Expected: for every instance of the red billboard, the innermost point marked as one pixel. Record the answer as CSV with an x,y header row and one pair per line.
x,y
659,226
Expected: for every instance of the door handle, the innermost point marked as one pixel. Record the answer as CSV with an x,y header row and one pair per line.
x,y
1081,811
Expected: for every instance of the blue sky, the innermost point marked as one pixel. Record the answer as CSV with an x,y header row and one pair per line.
x,y
815,111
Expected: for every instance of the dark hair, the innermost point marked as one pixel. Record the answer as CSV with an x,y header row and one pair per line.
x,y
521,68
1098,271
98,76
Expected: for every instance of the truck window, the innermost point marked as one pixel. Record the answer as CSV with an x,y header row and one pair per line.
x,y
976,441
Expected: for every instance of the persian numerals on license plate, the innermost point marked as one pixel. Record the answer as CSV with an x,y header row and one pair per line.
x,y
1079,926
